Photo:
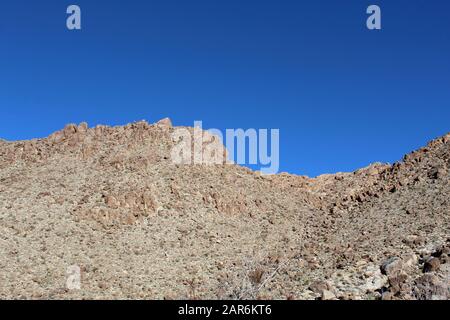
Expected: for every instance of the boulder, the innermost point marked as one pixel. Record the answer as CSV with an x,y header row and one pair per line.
x,y
327,295
99,130
70,130
57,137
165,123
437,172
391,266
432,264
430,287
387,295
397,282
375,281
82,127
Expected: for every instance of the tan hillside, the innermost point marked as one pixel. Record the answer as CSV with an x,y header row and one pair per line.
x,y
111,201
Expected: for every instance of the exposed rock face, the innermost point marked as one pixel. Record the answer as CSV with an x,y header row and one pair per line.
x,y
111,201
166,122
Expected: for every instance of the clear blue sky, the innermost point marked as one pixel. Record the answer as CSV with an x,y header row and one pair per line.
x,y
341,95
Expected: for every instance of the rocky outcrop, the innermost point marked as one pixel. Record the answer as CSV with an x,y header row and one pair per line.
x,y
111,201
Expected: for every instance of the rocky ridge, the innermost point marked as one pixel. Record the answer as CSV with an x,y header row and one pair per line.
x,y
110,200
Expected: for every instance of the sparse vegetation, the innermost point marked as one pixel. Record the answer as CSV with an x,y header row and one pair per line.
x,y
109,200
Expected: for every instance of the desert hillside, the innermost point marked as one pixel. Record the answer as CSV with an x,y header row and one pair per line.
x,y
111,201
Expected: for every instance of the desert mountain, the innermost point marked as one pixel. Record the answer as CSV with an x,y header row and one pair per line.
x,y
110,201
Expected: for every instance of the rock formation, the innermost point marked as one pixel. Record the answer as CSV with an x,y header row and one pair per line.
x,y
111,201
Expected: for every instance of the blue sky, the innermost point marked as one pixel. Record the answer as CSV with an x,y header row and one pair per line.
x,y
341,95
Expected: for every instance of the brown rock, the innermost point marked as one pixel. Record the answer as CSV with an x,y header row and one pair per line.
x,y
397,280
327,295
387,295
414,240
57,137
99,131
429,287
74,140
442,250
319,286
391,266
70,130
432,264
437,173
82,127
112,202
165,123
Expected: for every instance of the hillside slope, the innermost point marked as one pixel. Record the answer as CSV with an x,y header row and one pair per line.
x,y
110,200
